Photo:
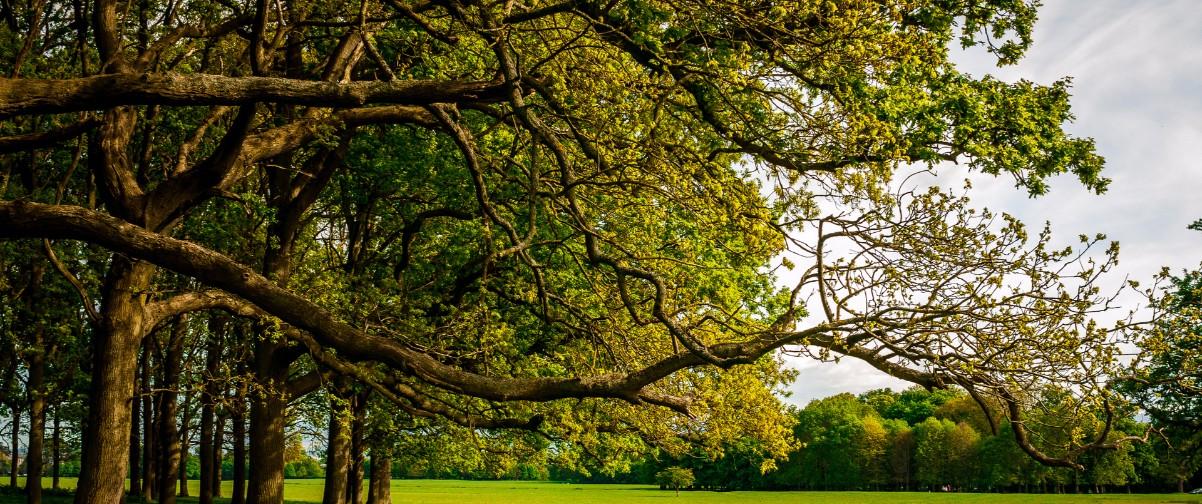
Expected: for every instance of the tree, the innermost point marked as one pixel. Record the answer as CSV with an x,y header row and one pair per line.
x,y
931,452
1002,463
871,448
900,453
1166,380
915,404
674,478
962,450
831,430
570,231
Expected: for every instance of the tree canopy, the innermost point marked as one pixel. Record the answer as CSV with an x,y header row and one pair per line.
x,y
570,218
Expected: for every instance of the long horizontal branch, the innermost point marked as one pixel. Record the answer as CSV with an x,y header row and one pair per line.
x,y
20,219
46,138
39,96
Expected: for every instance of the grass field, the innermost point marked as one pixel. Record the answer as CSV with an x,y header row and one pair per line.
x,y
522,492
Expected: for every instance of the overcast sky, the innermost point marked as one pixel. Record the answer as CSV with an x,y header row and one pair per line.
x,y
1137,90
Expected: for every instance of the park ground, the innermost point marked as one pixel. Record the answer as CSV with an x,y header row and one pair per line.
x,y
524,492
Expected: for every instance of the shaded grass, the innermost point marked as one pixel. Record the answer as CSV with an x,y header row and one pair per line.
x,y
522,492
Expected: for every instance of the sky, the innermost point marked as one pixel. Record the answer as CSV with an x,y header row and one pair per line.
x,y
1137,90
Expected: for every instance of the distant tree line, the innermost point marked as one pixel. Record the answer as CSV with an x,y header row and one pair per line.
x,y
940,440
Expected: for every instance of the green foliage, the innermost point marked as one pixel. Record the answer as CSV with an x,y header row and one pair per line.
x,y
916,404
622,208
1166,380
674,478
307,467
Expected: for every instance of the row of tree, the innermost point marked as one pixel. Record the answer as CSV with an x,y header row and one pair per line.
x,y
914,440
920,440
465,233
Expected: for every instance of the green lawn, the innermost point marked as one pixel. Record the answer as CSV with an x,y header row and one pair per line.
x,y
521,492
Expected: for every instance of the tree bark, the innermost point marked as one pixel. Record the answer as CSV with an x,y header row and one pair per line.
x,y
208,401
379,491
239,441
115,351
184,445
338,456
39,96
168,435
355,473
16,444
37,419
218,442
268,405
150,447
56,451
135,440
206,452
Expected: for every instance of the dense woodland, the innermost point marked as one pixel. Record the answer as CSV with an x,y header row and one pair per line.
x,y
459,235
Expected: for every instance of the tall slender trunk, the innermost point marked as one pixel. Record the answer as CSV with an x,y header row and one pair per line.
x,y
16,444
355,473
115,359
338,456
135,440
379,491
206,452
184,444
218,443
268,405
56,452
239,440
208,400
37,420
168,435
149,444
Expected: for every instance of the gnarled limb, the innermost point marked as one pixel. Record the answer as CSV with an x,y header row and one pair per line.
x,y
42,96
160,312
25,220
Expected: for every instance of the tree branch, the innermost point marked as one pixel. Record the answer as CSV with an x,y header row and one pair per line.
x,y
19,219
88,307
40,96
159,312
49,138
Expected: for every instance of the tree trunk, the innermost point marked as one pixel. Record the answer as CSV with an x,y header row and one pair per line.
x,y
239,494
135,440
149,444
115,359
184,445
16,445
37,420
218,442
206,451
379,491
56,452
355,473
338,456
268,405
168,435
207,401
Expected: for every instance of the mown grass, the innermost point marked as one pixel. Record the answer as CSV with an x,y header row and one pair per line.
x,y
523,492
